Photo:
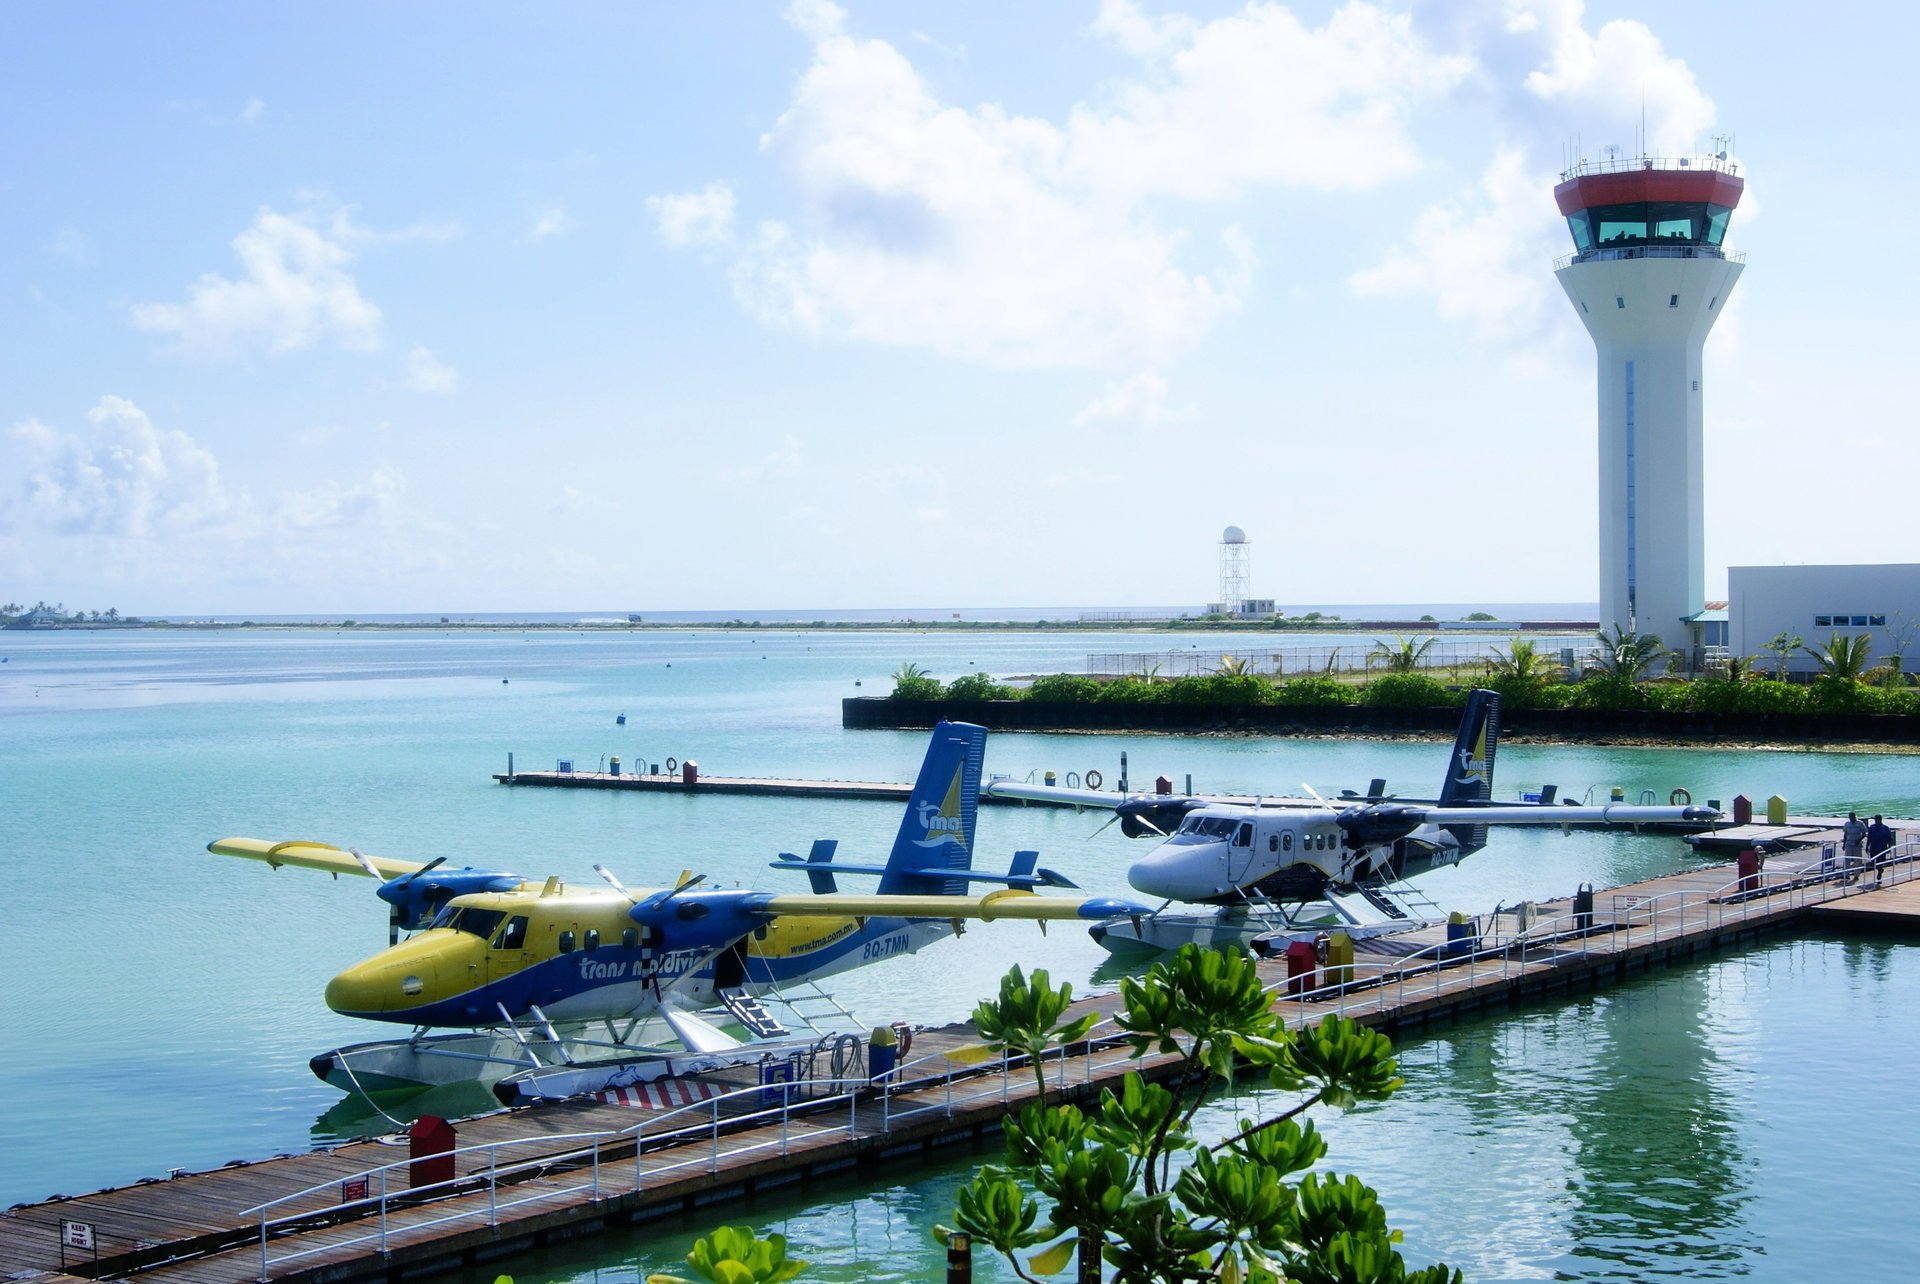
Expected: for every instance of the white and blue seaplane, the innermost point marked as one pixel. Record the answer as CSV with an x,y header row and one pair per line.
x,y
555,989
1268,865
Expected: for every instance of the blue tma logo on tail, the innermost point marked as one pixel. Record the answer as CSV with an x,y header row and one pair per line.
x,y
944,824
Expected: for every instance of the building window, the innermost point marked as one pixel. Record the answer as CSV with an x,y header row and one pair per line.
x,y
1877,621
1823,621
1673,300
1585,308
1619,301
1859,621
1710,302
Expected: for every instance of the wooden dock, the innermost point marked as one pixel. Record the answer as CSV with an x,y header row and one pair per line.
x,y
531,1176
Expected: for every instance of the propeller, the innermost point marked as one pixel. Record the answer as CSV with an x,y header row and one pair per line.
x,y
618,886
393,911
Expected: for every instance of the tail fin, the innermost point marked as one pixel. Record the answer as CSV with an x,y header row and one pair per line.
x,y
1470,770
936,835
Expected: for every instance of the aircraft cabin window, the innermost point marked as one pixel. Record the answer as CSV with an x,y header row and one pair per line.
x,y
514,935
566,942
1286,841
593,938
630,938
1273,842
1245,837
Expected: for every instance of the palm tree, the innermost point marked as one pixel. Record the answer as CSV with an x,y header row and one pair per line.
x,y
1234,666
1626,655
1403,655
1844,657
1523,663
1739,668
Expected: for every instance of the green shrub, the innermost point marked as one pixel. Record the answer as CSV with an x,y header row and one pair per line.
x,y
1761,695
1132,690
1064,687
1831,693
1607,692
979,686
1219,689
1318,691
1407,691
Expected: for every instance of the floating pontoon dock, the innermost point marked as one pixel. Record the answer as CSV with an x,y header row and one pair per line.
x,y
526,1177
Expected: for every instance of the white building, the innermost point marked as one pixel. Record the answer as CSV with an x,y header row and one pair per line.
x,y
1815,602
1649,277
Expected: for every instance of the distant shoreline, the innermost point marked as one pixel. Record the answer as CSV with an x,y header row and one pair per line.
x,y
1194,625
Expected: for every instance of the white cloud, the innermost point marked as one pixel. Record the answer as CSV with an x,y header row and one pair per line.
x,y
1481,257
296,291
75,246
122,477
1620,69
1138,399
783,460
550,222
426,373
253,113
1018,241
704,217
373,502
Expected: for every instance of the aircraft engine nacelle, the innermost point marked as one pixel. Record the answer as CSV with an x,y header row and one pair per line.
x,y
700,920
1379,824
418,896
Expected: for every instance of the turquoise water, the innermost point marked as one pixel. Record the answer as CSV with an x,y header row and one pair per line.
x,y
1744,1118
161,1003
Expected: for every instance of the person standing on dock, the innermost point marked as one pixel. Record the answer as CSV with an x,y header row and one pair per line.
x,y
1853,836
1879,842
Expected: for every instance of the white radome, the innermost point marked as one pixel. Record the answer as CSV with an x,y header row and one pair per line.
x,y
1233,535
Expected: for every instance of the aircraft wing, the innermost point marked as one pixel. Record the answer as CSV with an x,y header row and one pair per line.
x,y
1027,792
1536,814
1003,903
305,855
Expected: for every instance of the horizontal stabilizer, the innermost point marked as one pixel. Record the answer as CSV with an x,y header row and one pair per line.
x,y
1037,877
698,1035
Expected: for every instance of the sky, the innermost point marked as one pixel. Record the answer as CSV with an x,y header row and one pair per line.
x,y
489,307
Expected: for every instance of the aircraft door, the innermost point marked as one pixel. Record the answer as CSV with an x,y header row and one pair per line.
x,y
508,954
1240,853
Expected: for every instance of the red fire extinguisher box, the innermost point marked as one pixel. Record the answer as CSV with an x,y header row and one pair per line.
x,y
430,1146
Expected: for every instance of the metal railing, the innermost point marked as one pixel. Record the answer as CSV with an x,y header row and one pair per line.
x,y
1606,253
1718,164
935,1084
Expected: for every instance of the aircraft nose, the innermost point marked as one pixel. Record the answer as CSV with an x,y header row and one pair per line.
x,y
379,986
1189,872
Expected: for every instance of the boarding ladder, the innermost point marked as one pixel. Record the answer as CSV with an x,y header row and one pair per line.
x,y
749,1012
1275,916
1401,901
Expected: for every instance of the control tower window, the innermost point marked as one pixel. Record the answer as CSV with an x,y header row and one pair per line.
x,y
1577,224
1673,221
1717,216
1619,225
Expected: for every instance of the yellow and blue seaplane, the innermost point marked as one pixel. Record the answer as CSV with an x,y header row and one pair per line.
x,y
548,985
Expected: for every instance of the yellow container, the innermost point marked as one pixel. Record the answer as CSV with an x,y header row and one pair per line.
x,y
1339,958
1776,810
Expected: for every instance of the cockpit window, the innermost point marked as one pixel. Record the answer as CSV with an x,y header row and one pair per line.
x,y
475,922
1245,837
1204,829
514,936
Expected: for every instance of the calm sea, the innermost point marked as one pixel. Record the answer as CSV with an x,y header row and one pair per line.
x,y
160,1003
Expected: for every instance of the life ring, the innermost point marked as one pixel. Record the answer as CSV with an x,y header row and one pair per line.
x,y
1073,780
1679,798
904,1033
673,765
1094,780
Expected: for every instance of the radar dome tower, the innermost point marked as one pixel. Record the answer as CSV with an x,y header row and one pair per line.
x,y
1649,277
1233,571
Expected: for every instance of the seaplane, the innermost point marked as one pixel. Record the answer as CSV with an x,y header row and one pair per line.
x,y
1270,864
544,989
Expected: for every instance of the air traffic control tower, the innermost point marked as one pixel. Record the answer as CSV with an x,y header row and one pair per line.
x,y
1649,277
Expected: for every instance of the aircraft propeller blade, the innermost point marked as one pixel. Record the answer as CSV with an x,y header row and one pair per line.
x,y
613,882
393,912
1111,822
372,869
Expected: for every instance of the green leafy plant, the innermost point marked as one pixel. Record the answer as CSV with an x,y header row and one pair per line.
x,y
1315,690
1843,657
1626,656
979,686
1407,691
1063,687
735,1255
1242,1209
1028,1018
1783,646
1402,655
911,682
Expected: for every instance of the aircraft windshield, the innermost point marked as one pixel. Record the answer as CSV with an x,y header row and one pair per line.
x,y
1204,829
476,922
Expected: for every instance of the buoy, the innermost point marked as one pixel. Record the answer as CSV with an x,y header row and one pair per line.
x,y
1679,798
503,682
1094,780
620,720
